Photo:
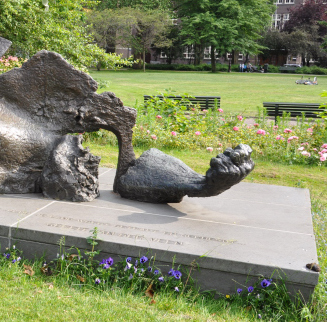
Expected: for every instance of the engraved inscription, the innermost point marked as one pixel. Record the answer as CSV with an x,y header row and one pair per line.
x,y
173,234
123,235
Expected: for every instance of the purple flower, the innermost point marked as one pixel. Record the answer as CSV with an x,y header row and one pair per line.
x,y
161,279
171,272
149,269
128,259
177,275
239,290
107,262
176,289
13,261
156,272
259,316
265,283
8,256
250,289
128,266
136,262
143,259
97,281
130,276
18,259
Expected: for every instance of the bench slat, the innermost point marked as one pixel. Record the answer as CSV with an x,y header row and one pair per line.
x,y
295,109
205,102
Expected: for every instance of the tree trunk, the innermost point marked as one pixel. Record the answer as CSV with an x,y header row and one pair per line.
x,y
229,65
213,59
143,60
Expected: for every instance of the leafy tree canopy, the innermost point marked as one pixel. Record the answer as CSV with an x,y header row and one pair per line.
x,y
142,4
225,24
30,28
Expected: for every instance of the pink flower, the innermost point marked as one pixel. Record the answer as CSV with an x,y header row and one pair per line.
x,y
288,131
147,131
209,148
324,146
314,149
240,117
204,111
141,127
262,132
235,128
305,143
323,158
197,133
323,151
220,110
249,127
223,119
159,117
279,137
220,144
310,130
275,127
306,153
292,138
154,137
301,148
256,124
173,133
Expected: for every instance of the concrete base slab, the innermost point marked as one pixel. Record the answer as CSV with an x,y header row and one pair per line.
x,y
248,231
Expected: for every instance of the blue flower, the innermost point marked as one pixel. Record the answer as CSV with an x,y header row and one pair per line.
x,y
239,290
250,289
128,259
156,272
149,269
171,272
6,255
143,259
97,281
161,279
265,283
177,275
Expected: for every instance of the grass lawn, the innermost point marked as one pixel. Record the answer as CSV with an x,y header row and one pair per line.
x,y
239,91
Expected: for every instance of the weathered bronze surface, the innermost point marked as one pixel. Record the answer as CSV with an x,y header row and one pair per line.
x,y
46,99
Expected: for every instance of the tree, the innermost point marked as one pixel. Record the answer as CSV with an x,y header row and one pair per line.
x,y
132,27
225,25
305,23
141,4
60,29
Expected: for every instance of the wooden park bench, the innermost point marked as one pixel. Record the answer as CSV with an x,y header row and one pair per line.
x,y
295,109
205,102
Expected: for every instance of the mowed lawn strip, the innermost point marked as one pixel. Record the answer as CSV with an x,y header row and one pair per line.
x,y
240,92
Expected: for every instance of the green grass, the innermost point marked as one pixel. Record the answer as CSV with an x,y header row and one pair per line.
x,y
239,91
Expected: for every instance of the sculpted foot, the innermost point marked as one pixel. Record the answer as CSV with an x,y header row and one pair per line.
x,y
160,178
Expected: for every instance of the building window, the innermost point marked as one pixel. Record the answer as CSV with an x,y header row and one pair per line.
x,y
289,1
174,21
188,53
276,20
163,55
278,1
207,53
